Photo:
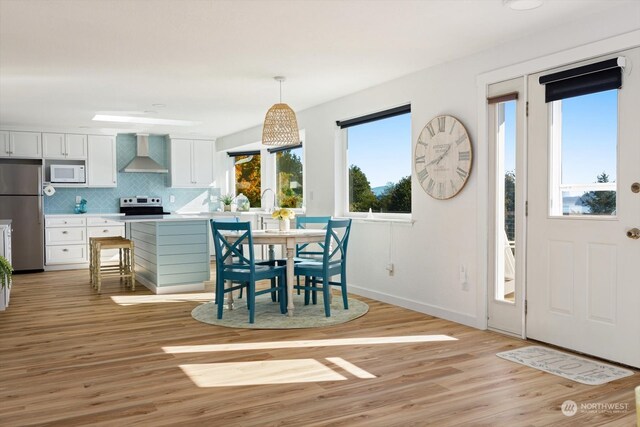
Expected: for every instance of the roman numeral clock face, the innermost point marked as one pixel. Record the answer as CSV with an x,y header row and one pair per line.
x,y
442,159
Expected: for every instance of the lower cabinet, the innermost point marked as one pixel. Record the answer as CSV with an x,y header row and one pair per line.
x,y
67,239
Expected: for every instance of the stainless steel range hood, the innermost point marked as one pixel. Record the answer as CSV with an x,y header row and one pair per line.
x,y
142,162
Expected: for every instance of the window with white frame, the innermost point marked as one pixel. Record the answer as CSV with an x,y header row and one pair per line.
x,y
248,176
275,173
289,177
584,132
583,129
379,161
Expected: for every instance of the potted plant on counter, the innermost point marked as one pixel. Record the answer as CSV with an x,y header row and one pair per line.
x,y
5,281
226,200
284,215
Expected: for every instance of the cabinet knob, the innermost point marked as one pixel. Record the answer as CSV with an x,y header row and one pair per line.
x,y
65,250
65,232
105,231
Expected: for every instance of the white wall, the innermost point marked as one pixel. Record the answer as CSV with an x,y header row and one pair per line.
x,y
445,235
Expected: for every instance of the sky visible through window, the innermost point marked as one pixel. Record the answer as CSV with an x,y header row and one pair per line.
x,y
589,137
382,149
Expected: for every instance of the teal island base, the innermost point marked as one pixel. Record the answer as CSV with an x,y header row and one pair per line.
x,y
171,256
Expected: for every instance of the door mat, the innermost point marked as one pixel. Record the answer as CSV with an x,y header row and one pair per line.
x,y
566,365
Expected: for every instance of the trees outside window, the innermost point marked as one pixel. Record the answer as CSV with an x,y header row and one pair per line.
x,y
248,181
289,178
379,155
600,202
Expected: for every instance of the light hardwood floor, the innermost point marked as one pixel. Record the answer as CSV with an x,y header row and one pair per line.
x,y
71,357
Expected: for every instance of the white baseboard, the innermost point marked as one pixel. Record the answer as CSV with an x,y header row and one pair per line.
x,y
163,290
58,267
429,309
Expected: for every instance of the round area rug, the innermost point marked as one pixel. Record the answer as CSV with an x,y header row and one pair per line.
x,y
268,314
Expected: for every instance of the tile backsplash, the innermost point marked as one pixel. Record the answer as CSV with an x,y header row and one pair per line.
x,y
107,200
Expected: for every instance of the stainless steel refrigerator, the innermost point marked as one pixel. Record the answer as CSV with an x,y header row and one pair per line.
x,y
21,202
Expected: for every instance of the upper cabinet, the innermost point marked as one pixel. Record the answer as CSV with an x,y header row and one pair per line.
x,y
102,161
191,163
21,144
64,146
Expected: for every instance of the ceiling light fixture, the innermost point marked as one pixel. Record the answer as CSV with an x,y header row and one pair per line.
x,y
143,120
280,123
522,4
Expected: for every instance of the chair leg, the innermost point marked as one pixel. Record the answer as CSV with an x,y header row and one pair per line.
x,y
343,286
326,289
314,285
98,267
132,269
220,298
273,285
307,284
251,297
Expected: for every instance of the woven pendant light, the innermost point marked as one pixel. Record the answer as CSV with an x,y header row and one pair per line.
x,y
280,123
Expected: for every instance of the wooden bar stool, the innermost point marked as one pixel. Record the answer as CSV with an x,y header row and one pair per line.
x,y
125,267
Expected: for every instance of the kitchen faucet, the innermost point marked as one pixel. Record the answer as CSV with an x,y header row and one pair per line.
x,y
274,199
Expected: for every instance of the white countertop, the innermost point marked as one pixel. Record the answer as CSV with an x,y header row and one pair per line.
x,y
84,214
186,216
5,222
162,218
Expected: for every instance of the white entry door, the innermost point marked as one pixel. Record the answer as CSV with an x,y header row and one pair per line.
x,y
583,280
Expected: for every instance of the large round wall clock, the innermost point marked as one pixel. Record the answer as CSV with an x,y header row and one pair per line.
x,y
442,158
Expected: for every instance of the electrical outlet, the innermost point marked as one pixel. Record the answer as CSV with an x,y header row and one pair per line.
x,y
389,268
172,198
463,278
78,199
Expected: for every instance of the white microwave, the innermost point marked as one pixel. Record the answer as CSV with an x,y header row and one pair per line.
x,y
68,174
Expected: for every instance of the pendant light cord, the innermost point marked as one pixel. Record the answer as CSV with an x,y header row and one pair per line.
x,y
280,91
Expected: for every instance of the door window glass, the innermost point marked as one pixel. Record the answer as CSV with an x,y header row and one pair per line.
x,y
584,140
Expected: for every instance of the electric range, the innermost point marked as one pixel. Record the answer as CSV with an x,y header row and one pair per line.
x,y
142,205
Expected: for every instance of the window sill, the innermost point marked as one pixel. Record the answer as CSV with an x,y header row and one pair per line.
x,y
382,219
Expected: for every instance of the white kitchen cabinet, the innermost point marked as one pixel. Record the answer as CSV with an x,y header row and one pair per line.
x,y
21,144
5,144
53,146
102,161
191,163
180,171
67,239
64,146
76,146
66,254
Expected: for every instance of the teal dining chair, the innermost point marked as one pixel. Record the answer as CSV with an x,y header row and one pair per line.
x,y
241,270
263,262
307,251
333,263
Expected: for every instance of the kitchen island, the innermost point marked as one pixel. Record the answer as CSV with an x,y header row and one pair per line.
x,y
171,251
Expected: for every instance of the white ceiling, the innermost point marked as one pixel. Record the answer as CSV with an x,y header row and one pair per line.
x,y
213,61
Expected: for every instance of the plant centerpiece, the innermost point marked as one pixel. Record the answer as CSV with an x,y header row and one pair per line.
x,y
226,200
284,215
5,272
